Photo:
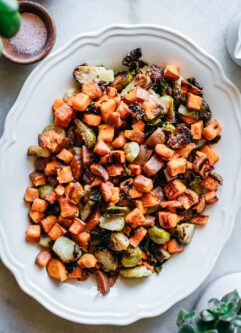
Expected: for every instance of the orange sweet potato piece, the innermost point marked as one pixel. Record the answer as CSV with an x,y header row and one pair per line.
x,y
35,216
150,199
139,205
91,119
173,246
64,175
106,108
56,232
93,221
134,194
165,152
173,189
88,260
172,72
135,218
177,166
119,141
37,178
59,190
68,209
134,135
153,165
135,169
212,156
63,115
187,87
51,168
48,223
114,119
77,226
210,197
186,150
91,89
106,133
78,273
117,156
99,170
196,129
56,270
158,136
131,96
115,170
101,148
123,110
194,102
212,130
57,103
31,194
138,236
210,183
80,101
39,205
83,239
200,219
65,155
43,258
107,190
143,184
168,220
33,233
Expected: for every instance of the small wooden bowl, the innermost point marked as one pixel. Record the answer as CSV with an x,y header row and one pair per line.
x,y
10,53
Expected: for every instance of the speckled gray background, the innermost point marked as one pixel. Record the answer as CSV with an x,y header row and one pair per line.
x,y
205,22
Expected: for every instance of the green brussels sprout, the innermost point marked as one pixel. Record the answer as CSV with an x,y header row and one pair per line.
x,y
158,235
70,92
185,232
66,249
39,151
185,112
122,80
45,241
44,190
86,209
167,105
131,257
117,209
84,74
87,133
131,150
136,272
119,241
106,259
115,222
53,127
168,127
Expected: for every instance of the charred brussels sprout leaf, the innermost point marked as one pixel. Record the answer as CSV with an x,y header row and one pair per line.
x,y
180,137
163,87
132,60
117,210
196,185
194,82
85,74
95,196
205,113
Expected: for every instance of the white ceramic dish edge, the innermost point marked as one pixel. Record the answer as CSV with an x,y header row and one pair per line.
x,y
8,138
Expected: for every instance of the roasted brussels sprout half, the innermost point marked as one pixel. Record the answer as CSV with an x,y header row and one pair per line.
x,y
106,259
66,249
53,127
44,190
136,272
117,209
168,127
132,60
185,112
84,74
131,150
119,241
158,235
115,222
122,80
87,133
39,151
180,137
185,232
167,105
131,257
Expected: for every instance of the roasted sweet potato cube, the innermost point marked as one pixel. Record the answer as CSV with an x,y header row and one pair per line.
x,y
63,115
139,125
187,87
172,72
52,140
77,226
115,197
65,222
114,119
51,197
200,219
115,170
212,130
31,194
143,156
76,168
107,107
33,233
78,273
134,194
200,207
51,168
142,94
74,192
93,221
134,135
164,152
64,175
212,156
211,197
158,136
91,119
188,199
152,166
169,205
80,101
106,133
135,218
35,216
168,220
186,150
60,190
123,110
117,156
138,236
131,96
48,223
143,184
87,260
174,246
150,199
119,141
83,239
139,205
101,148
43,258
194,102
65,156
57,270
91,89
196,129
68,209
210,183
135,169
107,190
57,103
37,178
174,188
39,205
56,232
98,170
177,166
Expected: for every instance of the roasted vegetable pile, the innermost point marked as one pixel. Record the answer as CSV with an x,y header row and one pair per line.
x,y
123,174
